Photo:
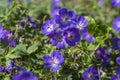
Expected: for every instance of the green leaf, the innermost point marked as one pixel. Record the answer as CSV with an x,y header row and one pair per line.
x,y
32,48
17,52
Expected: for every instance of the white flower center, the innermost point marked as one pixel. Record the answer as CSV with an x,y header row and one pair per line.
x,y
90,76
118,24
80,24
65,19
71,36
98,52
50,28
54,62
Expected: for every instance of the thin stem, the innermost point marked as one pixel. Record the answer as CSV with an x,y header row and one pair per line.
x,y
55,76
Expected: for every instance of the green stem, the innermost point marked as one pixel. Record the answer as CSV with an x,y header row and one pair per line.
x,y
55,76
118,10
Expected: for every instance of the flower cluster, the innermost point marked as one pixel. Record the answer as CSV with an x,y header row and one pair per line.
x,y
104,55
65,27
7,36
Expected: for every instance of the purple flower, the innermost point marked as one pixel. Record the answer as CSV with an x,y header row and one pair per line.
x,y
58,39
12,42
101,54
48,27
2,68
17,67
116,43
108,50
8,2
28,1
55,2
81,22
90,74
27,20
9,67
116,24
86,36
22,23
99,51
24,75
1,31
117,76
118,60
65,17
54,61
9,38
72,36
115,3
11,63
110,36
101,3
6,34
55,10
118,70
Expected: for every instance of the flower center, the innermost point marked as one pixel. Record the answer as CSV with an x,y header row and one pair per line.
x,y
58,37
118,24
98,52
50,28
70,36
80,24
10,36
90,76
54,62
65,19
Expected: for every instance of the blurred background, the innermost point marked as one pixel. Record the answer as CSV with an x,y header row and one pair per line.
x,y
101,11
